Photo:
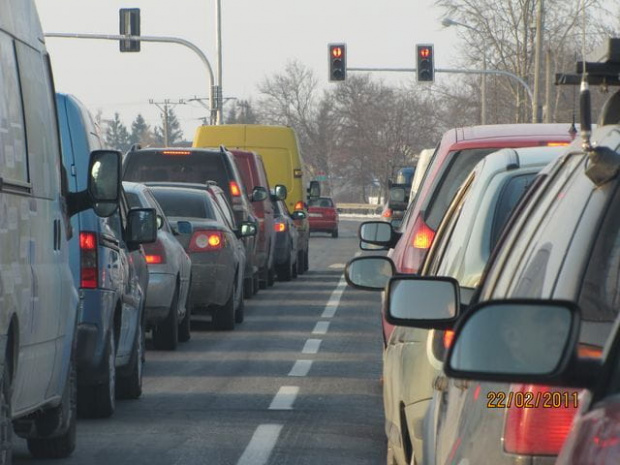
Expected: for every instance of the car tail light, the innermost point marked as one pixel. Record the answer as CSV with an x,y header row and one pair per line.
x,y
279,227
387,213
235,190
589,351
176,152
206,241
416,250
89,267
299,205
155,253
539,419
448,337
557,144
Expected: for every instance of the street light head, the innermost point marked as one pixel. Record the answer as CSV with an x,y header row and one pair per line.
x,y
447,22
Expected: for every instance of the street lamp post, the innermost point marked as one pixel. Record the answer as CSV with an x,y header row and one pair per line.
x,y
483,86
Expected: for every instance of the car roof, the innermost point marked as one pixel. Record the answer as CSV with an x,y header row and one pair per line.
x,y
521,130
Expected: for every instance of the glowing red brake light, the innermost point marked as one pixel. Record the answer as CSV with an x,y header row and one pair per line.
x,y
448,337
235,190
387,213
176,152
89,265
279,227
155,253
557,144
539,419
299,205
206,241
423,235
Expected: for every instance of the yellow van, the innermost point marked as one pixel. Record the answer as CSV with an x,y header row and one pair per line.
x,y
278,147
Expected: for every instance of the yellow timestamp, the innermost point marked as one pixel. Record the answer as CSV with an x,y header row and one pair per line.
x,y
555,399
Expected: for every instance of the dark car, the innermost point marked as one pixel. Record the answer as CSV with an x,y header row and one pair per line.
x,y
112,278
287,241
323,216
199,166
207,231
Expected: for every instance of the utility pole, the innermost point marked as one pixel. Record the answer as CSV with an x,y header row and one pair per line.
x,y
537,59
548,85
163,107
218,44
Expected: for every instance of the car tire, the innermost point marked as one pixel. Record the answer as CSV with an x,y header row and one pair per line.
x,y
271,276
166,333
185,326
6,425
295,268
98,401
248,287
263,278
63,445
255,283
306,260
129,386
240,311
285,272
335,233
224,317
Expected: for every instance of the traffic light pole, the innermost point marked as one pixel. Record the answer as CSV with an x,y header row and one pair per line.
x,y
214,93
457,71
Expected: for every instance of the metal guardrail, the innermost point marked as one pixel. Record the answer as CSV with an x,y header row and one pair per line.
x,y
360,208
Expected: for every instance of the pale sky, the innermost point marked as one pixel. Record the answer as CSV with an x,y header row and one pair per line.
x,y
258,37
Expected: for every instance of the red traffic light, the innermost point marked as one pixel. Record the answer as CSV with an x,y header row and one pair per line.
x,y
425,52
337,52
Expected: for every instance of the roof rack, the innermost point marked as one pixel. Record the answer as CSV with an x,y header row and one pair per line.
x,y
602,67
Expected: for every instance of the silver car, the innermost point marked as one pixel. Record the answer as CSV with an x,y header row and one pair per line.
x,y
169,276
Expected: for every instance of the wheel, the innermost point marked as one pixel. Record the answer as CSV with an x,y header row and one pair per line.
x,y
166,333
63,445
240,312
98,401
263,278
335,233
271,276
306,260
6,426
185,333
295,267
285,272
255,283
224,317
129,386
248,288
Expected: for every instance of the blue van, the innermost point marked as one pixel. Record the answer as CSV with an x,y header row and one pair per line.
x,y
111,276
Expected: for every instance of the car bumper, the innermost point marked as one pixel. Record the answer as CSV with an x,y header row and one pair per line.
x,y
159,297
320,224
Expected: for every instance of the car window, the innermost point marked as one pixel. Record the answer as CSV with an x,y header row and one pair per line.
x,y
133,200
183,205
225,209
153,203
599,299
458,168
217,211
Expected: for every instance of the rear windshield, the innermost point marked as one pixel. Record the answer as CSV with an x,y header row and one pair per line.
x,y
194,168
458,168
320,203
184,204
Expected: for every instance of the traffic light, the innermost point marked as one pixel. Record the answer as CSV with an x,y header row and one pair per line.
x,y
129,26
337,62
426,64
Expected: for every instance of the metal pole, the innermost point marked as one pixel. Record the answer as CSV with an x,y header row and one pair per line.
x,y
483,91
537,58
173,40
218,44
548,86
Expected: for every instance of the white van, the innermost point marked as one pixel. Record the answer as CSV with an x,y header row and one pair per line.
x,y
38,299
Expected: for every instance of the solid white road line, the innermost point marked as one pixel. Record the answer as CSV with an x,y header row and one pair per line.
x,y
301,368
321,327
284,398
312,346
261,445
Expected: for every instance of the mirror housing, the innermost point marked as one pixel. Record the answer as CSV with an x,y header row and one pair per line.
x,y
103,189
314,191
299,215
378,233
280,192
431,302
259,194
371,247
370,273
520,341
141,226
247,229
160,222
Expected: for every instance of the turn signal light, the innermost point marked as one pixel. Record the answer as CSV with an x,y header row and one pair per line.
x,y
206,241
299,205
279,227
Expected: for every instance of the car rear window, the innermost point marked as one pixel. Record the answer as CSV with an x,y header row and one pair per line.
x,y
184,204
460,165
320,203
197,167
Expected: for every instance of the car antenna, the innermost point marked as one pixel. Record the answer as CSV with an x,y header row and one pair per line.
x,y
585,105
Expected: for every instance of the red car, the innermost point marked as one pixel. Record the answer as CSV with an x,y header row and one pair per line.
x,y
323,216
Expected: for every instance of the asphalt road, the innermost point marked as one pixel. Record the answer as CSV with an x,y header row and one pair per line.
x,y
296,383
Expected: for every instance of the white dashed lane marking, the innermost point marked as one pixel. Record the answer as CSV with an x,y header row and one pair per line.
x,y
261,445
285,398
321,327
312,346
301,368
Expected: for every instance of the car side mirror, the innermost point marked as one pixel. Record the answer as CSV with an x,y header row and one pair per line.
x,y
369,273
423,302
378,233
299,215
259,194
248,229
141,226
280,192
